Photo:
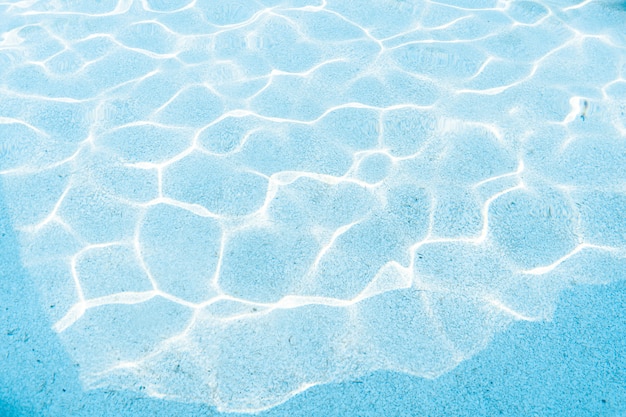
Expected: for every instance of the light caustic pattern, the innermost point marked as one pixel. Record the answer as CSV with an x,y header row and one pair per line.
x,y
232,201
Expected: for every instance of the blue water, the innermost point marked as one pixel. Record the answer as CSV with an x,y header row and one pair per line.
x,y
301,208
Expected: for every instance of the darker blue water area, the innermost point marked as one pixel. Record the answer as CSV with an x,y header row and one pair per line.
x,y
573,366
35,368
37,377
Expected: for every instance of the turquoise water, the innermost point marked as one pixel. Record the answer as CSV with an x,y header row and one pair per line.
x,y
313,208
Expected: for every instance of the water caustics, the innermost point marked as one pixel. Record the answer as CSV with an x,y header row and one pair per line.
x,y
232,201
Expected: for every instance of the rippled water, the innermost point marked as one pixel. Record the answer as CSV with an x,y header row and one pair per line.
x,y
231,202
